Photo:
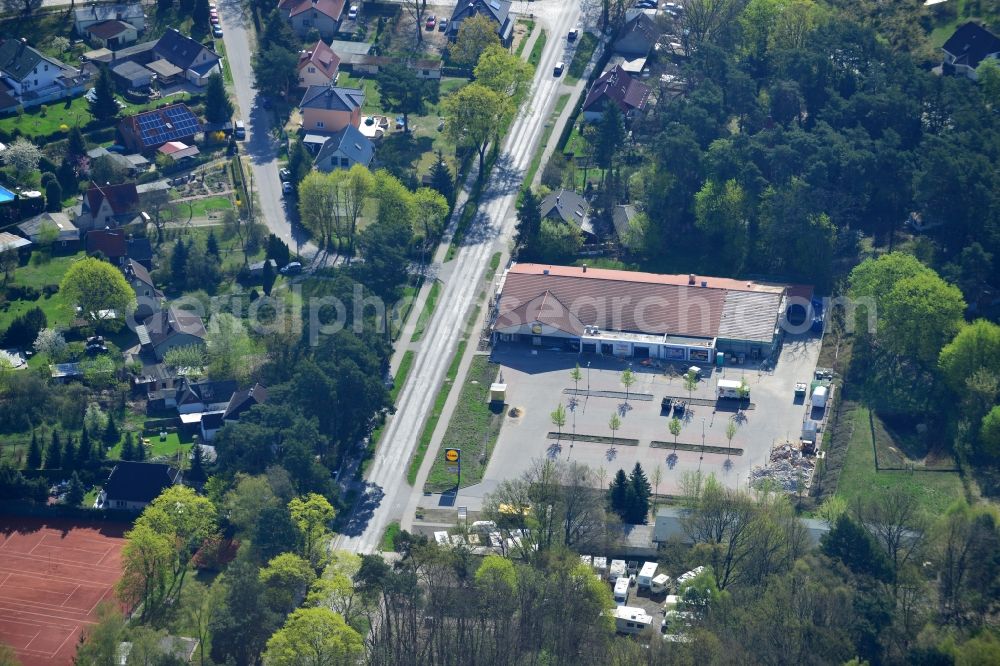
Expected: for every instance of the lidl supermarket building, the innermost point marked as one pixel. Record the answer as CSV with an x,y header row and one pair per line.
x,y
640,315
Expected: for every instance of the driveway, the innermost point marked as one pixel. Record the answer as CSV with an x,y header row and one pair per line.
x,y
260,145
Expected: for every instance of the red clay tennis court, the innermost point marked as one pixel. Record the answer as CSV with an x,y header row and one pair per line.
x,y
53,573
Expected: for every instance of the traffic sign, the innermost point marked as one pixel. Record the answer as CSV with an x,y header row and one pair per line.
x,y
452,455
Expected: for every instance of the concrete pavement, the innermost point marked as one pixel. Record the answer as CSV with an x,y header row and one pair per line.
x,y
388,495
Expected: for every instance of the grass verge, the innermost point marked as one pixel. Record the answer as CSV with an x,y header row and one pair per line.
x,y
405,365
389,536
536,161
427,311
935,490
536,50
584,52
432,420
494,264
474,428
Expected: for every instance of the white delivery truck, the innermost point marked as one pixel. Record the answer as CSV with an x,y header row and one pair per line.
x,y
617,570
819,396
646,574
728,389
659,584
621,591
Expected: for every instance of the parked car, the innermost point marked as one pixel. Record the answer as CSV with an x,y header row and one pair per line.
x,y
214,19
431,21
240,130
287,188
291,268
285,175
558,70
352,13
646,4
217,31
443,24
573,34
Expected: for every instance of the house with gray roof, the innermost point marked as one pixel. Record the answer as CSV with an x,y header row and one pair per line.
x,y
569,207
66,234
196,61
170,328
331,108
497,11
344,149
31,77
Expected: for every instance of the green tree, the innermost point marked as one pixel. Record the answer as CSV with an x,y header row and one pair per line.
x,y
34,459
53,452
851,544
690,383
559,419
314,636
112,434
988,75
430,209
185,356
976,347
618,493
721,214
529,224
402,91
200,15
53,196
147,560
558,241
475,35
212,244
641,491
105,106
989,432
85,451
628,380
921,314
503,72
285,581
268,277
96,286
274,69
299,161
311,515
100,641
128,447
442,179
218,107
318,205
614,423
474,115
75,491
197,471
675,428
606,138
76,143
730,431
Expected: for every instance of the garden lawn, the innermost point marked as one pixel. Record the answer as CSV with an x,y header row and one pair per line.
x,y
474,428
934,490
38,273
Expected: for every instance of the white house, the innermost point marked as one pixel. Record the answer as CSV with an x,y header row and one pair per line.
x,y
968,47
31,75
133,485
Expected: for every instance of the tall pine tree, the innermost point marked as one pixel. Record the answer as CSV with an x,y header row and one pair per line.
x,y
34,460
178,265
641,492
197,471
105,106
140,450
529,224
442,180
75,491
85,452
212,244
69,454
128,448
618,494
53,453
111,433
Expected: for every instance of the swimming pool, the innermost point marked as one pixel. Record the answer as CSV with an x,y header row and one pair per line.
x,y
6,195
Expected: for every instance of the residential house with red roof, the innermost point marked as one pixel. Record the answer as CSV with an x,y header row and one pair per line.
x,y
306,15
616,87
318,66
108,206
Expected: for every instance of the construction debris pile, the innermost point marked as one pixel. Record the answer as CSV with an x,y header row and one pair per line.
x,y
787,469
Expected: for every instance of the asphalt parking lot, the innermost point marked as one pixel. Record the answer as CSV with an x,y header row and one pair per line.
x,y
538,380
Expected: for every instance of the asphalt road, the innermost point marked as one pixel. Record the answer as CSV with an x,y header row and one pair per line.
x,y
260,144
387,492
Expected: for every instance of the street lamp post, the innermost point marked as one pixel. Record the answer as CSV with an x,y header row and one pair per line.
x,y
588,379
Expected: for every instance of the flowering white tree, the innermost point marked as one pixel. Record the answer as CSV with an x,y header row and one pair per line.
x,y
50,341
